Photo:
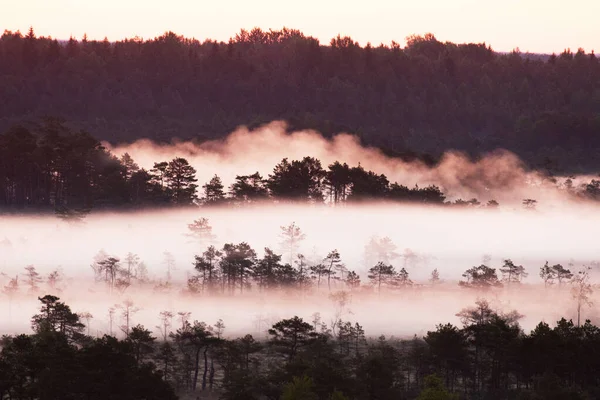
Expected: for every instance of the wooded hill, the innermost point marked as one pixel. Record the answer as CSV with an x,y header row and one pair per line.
x,y
425,98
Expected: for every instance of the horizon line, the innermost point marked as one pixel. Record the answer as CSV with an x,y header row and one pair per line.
x,y
308,36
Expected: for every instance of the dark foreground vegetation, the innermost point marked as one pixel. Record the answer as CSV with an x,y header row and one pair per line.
x,y
427,97
489,357
54,168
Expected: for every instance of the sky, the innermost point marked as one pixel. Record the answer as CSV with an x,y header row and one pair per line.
x,y
542,26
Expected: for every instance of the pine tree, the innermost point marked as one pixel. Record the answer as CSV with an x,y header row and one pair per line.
x,y
353,280
581,290
381,275
562,274
201,231
512,273
302,272
166,321
88,317
292,236
249,188
548,274
380,250
128,308
482,277
132,261
33,279
56,316
401,279
130,166
435,277
333,264
54,280
180,178
213,191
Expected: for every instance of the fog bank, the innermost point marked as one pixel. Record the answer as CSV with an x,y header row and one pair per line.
x,y
449,239
500,175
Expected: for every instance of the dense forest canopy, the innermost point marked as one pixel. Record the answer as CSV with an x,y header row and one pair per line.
x,y
427,97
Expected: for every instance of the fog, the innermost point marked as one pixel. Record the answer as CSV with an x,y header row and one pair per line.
x,y
449,239
499,175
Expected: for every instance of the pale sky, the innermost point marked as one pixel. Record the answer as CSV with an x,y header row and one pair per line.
x,y
532,25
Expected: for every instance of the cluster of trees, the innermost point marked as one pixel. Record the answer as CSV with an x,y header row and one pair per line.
x,y
484,277
488,357
56,167
237,268
59,361
52,167
427,97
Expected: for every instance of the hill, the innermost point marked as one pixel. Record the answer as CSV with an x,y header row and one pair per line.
x,y
427,97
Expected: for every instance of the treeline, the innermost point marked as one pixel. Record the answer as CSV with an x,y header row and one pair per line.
x,y
488,357
238,268
54,167
427,97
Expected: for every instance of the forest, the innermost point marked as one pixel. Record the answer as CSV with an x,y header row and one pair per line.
x,y
137,236
54,168
59,168
416,101
185,331
488,356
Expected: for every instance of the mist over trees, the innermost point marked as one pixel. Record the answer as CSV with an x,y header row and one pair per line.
x,y
235,269
489,356
53,168
59,99
427,97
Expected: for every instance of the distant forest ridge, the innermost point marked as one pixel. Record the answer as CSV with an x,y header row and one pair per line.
x,y
528,54
425,98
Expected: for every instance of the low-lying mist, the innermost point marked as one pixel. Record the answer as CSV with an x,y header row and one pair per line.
x,y
449,239
500,175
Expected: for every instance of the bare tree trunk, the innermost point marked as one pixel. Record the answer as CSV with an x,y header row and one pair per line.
x,y
211,377
196,370
241,281
205,368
